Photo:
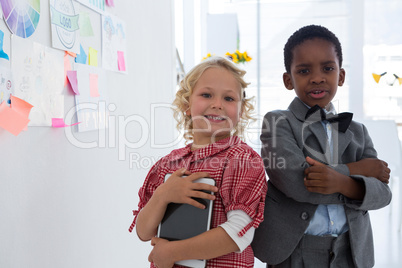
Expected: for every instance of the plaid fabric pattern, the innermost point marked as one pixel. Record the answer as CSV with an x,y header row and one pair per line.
x,y
239,175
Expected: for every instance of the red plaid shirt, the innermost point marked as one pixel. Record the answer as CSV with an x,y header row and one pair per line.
x,y
239,175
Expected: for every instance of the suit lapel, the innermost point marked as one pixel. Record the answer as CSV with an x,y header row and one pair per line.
x,y
340,143
313,135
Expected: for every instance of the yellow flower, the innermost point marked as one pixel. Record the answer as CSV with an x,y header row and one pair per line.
x,y
207,56
238,57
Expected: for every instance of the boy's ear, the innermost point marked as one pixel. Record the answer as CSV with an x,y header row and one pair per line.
x,y
287,81
342,75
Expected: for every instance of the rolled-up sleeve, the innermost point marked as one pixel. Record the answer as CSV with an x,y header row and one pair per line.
x,y
244,187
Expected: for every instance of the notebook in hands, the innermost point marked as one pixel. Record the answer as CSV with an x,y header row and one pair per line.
x,y
182,221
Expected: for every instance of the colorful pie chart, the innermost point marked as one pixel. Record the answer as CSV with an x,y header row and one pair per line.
x,y
21,17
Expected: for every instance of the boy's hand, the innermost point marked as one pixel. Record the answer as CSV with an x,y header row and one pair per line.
x,y
320,178
370,167
179,189
160,254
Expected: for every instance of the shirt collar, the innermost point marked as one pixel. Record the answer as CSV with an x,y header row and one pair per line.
x,y
207,151
330,108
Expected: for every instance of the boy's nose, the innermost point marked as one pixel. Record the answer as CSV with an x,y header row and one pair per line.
x,y
317,78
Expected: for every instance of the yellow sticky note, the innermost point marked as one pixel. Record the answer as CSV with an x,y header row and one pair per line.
x,y
93,57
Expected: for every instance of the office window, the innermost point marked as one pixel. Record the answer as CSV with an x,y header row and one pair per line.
x,y
367,29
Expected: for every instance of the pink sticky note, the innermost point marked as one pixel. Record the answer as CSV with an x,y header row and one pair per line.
x,y
67,67
93,85
110,3
11,120
59,122
72,78
121,62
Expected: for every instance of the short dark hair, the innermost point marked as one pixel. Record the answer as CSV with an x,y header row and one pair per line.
x,y
307,33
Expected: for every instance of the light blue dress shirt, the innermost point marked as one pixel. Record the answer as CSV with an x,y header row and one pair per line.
x,y
328,219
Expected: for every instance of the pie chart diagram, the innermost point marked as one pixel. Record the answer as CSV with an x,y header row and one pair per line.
x,y
21,17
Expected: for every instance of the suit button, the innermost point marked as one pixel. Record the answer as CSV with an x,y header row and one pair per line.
x,y
304,216
341,197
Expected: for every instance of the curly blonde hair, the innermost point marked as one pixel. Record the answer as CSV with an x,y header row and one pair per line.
x,y
182,100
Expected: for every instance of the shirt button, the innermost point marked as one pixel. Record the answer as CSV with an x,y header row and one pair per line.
x,y
332,222
304,216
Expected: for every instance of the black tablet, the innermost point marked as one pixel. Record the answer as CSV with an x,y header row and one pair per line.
x,y
182,221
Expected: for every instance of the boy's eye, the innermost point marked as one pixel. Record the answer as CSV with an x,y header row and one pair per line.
x,y
329,68
303,71
206,95
229,99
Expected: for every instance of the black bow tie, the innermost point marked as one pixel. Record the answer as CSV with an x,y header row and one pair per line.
x,y
343,119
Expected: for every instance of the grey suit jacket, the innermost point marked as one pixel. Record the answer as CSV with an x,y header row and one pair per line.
x,y
287,139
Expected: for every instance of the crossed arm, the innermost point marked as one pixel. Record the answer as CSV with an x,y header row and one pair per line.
x,y
322,184
320,178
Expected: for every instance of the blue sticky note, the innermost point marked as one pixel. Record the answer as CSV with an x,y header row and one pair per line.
x,y
82,57
2,53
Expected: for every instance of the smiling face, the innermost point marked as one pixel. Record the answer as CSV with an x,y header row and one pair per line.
x,y
215,106
315,73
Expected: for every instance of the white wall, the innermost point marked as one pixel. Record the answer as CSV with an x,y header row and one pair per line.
x,y
64,206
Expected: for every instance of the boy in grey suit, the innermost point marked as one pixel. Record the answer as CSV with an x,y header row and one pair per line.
x,y
326,174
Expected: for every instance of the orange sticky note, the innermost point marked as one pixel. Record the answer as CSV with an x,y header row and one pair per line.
x,y
72,54
20,106
11,120
120,61
67,67
93,57
93,85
